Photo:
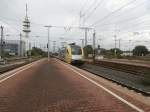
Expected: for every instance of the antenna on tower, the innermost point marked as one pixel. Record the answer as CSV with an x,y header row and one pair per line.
x,y
26,10
26,24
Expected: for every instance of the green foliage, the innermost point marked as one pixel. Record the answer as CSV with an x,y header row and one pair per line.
x,y
100,51
7,55
103,51
37,52
140,50
118,51
87,50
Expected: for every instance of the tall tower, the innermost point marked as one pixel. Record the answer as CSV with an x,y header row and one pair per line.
x,y
26,30
26,24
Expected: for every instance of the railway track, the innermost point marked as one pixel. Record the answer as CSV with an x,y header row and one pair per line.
x,y
131,81
138,69
126,78
12,66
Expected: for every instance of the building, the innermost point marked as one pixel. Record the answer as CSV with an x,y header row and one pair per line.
x,y
14,47
127,53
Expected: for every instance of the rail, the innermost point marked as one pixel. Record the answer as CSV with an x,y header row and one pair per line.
x,y
9,67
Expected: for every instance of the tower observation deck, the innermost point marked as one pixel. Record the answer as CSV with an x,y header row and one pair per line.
x,y
26,24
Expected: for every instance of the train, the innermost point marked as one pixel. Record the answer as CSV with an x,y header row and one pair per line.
x,y
72,54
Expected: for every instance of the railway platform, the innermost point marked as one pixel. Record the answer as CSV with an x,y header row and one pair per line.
x,y
54,86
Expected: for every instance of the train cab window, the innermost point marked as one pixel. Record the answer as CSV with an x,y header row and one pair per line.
x,y
76,50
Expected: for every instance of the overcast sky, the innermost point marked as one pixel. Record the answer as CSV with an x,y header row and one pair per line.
x,y
108,17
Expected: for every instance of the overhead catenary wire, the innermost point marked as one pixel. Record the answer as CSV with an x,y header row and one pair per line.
x,y
57,27
95,8
33,23
126,20
41,25
84,5
10,26
108,15
128,29
84,12
38,24
54,26
79,14
136,24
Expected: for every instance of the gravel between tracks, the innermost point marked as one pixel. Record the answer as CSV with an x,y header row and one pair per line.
x,y
127,79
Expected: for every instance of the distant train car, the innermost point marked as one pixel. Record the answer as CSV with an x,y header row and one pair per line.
x,y
72,54
61,53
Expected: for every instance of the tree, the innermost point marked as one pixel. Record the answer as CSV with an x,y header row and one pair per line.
x,y
118,51
88,50
103,51
37,52
100,51
140,50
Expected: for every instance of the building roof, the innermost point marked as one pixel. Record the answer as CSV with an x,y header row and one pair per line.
x,y
12,41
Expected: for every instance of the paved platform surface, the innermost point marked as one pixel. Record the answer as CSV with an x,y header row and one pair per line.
x,y
52,87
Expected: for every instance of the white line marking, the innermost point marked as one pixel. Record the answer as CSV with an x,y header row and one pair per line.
x,y
12,71
107,90
19,71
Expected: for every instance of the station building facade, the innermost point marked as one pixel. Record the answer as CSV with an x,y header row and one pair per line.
x,y
14,47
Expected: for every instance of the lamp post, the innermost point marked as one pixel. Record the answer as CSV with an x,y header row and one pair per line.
x,y
130,46
48,29
21,53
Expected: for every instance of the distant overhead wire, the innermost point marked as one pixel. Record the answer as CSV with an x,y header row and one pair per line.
x,y
132,26
129,20
108,15
95,8
10,19
135,25
55,26
83,13
84,4
41,25
10,25
80,11
123,21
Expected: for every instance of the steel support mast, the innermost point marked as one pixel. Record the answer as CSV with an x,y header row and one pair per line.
x,y
48,49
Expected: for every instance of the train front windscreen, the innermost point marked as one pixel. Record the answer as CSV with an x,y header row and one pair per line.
x,y
76,50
